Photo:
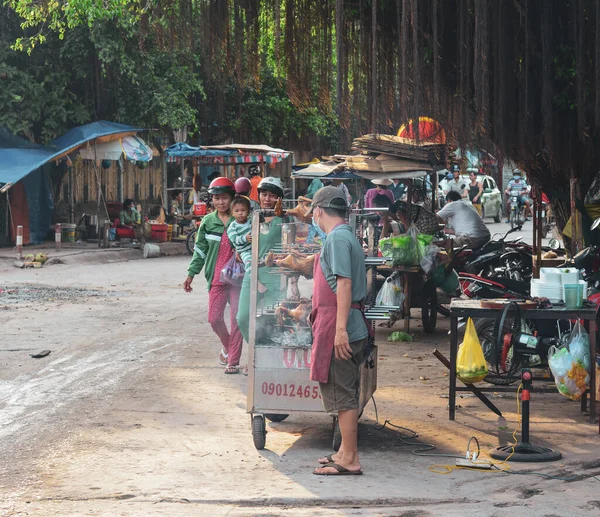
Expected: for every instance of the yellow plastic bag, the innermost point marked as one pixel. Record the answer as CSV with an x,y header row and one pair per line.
x,y
470,363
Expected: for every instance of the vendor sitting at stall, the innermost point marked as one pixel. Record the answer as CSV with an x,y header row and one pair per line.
x,y
426,222
175,206
463,222
130,218
176,216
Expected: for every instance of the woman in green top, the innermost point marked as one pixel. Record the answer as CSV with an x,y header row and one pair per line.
x,y
269,191
130,218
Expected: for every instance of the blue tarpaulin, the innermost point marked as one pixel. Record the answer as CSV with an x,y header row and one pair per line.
x,y
82,134
19,157
235,153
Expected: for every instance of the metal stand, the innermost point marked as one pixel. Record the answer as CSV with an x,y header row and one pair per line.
x,y
525,451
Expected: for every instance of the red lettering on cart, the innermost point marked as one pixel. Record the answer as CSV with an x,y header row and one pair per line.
x,y
291,390
307,358
289,357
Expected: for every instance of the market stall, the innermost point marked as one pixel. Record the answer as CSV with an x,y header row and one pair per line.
x,y
512,340
221,156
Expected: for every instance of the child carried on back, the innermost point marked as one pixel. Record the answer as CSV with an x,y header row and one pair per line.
x,y
240,233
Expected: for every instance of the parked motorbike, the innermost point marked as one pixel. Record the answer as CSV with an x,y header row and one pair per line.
x,y
499,258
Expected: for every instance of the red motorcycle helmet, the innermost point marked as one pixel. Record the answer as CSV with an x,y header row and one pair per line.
x,y
221,186
243,185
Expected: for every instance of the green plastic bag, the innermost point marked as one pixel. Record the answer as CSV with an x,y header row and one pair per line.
x,y
402,249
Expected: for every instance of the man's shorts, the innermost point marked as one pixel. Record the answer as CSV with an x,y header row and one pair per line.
x,y
523,200
341,391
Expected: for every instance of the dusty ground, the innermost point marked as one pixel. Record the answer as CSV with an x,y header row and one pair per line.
x,y
131,415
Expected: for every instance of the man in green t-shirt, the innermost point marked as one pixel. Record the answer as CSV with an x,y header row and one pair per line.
x,y
339,290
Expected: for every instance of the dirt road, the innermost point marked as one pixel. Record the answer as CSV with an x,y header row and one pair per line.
x,y
130,414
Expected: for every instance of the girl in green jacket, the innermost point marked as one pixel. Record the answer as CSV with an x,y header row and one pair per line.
x,y
212,252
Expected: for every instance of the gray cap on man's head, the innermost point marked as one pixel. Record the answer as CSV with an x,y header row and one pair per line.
x,y
330,197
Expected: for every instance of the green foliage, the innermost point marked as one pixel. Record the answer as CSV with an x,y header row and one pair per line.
x,y
35,101
266,114
58,16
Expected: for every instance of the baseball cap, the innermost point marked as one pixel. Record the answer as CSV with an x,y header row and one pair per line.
x,y
329,197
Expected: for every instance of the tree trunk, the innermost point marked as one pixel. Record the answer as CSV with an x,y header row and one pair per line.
x,y
374,89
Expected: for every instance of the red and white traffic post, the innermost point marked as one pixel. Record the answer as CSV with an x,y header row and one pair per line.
x,y
57,236
19,242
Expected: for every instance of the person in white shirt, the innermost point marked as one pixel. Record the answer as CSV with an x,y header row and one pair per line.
x,y
464,222
457,184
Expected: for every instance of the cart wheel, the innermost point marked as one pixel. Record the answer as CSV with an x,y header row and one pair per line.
x,y
259,432
429,309
276,418
337,435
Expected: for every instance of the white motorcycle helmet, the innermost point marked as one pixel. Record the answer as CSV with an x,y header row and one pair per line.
x,y
271,185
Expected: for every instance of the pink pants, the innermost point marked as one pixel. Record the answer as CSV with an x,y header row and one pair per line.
x,y
218,298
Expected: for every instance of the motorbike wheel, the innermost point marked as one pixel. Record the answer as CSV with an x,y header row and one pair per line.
x,y
513,219
487,330
190,242
498,216
429,309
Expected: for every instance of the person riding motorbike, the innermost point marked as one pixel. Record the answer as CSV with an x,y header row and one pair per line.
x,y
518,187
255,179
243,186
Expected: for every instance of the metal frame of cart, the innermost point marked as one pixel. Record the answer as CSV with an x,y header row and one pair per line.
x,y
279,376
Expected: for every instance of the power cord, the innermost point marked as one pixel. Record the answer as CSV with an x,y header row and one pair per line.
x,y
491,465
405,439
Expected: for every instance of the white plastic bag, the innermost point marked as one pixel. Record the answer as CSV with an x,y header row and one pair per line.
x,y
429,260
390,294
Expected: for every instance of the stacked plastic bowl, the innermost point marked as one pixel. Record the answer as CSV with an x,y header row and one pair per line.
x,y
552,281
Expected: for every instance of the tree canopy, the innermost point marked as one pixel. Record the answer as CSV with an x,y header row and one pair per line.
x,y
519,77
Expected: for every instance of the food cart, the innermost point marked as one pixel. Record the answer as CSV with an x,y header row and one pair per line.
x,y
280,337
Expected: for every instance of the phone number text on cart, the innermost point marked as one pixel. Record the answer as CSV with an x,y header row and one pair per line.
x,y
291,390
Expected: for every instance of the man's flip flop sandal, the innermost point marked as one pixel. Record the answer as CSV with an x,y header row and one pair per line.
x,y
232,369
329,460
340,471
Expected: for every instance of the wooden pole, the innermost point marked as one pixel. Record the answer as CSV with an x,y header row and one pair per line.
x,y
165,197
71,197
120,196
575,217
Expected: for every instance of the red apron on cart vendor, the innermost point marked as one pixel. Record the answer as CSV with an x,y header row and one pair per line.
x,y
339,327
